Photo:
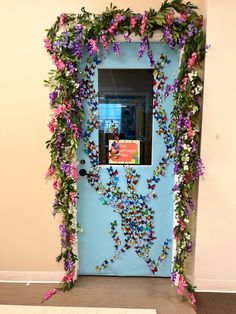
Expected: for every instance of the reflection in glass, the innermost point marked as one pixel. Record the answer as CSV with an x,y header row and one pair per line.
x,y
125,100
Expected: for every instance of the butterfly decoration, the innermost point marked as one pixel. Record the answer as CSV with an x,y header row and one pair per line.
x,y
114,145
155,179
151,186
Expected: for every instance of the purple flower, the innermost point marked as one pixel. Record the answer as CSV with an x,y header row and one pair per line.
x,y
179,146
199,167
151,58
173,277
68,262
192,30
53,96
70,68
190,202
168,38
176,168
60,138
186,212
178,21
167,90
78,28
66,168
126,37
143,44
116,48
175,85
59,141
63,235
78,104
189,246
139,17
182,41
78,50
81,89
68,121
193,147
141,50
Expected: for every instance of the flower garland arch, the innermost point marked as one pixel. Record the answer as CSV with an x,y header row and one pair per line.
x,y
68,41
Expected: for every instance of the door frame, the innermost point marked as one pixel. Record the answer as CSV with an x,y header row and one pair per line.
x,y
157,36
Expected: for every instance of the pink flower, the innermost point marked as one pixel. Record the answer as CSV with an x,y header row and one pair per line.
x,y
47,44
182,284
190,132
75,131
118,18
52,125
192,60
62,20
54,58
183,16
192,298
93,43
68,105
60,65
74,173
183,86
133,22
104,42
175,235
49,293
182,226
68,278
169,18
73,198
50,171
143,24
60,109
56,184
71,238
113,27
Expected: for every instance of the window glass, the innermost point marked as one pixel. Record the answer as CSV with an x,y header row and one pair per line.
x,y
125,116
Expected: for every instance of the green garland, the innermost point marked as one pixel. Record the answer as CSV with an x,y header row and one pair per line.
x,y
68,40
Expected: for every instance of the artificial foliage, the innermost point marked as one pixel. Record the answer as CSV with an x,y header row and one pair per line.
x,y
77,43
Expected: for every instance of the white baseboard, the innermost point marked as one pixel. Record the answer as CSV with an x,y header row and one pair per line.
x,y
31,276
208,285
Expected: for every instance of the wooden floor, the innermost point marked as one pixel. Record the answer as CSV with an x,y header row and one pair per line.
x,y
119,292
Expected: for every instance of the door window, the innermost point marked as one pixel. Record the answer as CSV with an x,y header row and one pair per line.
x,y
125,116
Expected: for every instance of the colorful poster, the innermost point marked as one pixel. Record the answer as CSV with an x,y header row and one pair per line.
x,y
124,152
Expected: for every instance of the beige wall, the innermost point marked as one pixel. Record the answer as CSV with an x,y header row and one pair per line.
x,y
28,233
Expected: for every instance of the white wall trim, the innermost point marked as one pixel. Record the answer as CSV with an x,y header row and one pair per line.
x,y
157,36
209,285
31,276
215,291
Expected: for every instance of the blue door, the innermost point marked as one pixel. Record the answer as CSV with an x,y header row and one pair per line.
x,y
125,205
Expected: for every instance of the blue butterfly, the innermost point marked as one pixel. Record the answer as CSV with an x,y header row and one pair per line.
x,y
155,179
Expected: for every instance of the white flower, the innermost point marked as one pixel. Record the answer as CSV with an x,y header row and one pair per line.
x,y
187,236
192,74
186,147
186,167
